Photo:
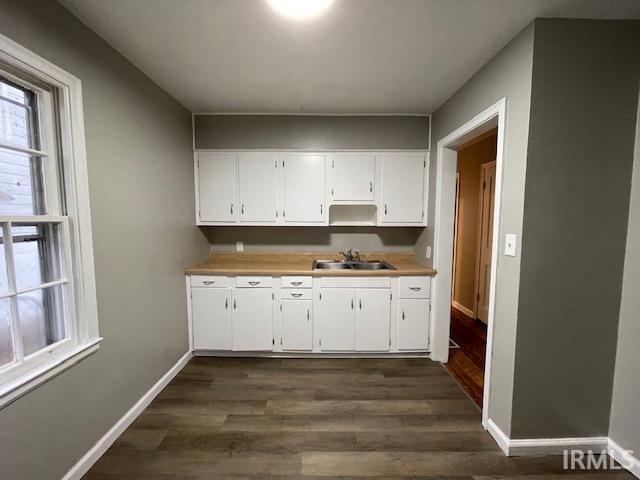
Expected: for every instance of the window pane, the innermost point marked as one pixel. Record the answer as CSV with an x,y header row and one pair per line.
x,y
21,178
41,318
36,253
4,282
13,92
6,343
14,124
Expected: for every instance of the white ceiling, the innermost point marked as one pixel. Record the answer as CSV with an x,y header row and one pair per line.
x,y
362,56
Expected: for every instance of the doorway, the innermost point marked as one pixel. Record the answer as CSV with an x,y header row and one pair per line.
x,y
443,235
472,243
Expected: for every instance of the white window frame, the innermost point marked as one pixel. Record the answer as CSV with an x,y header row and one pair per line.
x,y
76,242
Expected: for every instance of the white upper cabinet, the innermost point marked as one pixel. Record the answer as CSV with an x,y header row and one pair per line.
x,y
304,188
352,177
403,188
258,181
217,187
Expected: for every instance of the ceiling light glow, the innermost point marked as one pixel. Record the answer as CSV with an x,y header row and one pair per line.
x,y
300,9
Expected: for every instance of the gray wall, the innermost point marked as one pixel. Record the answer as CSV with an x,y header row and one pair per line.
x,y
307,239
141,183
309,132
625,422
507,75
581,139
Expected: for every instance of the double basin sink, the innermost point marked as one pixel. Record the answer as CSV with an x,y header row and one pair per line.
x,y
346,265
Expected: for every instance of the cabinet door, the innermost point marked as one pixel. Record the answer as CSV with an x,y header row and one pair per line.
x,y
402,188
372,319
353,176
297,333
211,316
252,319
304,188
217,187
258,187
337,320
413,324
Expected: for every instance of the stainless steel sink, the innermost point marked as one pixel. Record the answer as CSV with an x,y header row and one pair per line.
x,y
330,265
372,266
364,265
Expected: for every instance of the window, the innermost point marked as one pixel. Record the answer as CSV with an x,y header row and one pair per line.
x,y
48,317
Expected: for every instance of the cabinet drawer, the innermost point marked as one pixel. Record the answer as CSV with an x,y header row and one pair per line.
x,y
210,281
293,294
296,282
254,282
415,287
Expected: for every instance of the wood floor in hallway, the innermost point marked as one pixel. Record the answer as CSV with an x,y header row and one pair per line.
x,y
249,419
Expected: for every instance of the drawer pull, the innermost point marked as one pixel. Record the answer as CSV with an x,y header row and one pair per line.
x,y
208,282
296,284
296,295
415,289
253,283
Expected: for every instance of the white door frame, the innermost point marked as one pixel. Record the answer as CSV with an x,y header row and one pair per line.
x,y
443,234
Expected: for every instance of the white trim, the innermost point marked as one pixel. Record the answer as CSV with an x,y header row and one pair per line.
x,y
467,311
93,455
78,250
443,243
624,458
543,446
311,150
314,354
45,372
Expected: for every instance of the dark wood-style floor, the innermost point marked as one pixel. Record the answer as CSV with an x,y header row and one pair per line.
x,y
250,419
467,362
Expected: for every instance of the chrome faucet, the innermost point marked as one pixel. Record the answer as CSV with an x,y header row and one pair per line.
x,y
350,256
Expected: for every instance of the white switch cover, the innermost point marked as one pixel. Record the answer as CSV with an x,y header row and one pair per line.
x,y
428,251
239,246
510,244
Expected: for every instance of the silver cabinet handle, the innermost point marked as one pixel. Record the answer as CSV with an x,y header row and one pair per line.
x,y
360,302
385,209
370,187
352,304
296,284
320,208
307,314
231,209
234,305
415,289
253,283
208,282
226,304
403,314
296,295
242,209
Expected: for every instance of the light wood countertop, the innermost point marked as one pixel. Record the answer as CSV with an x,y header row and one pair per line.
x,y
279,263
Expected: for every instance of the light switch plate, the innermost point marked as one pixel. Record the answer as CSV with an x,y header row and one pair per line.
x,y
428,251
239,246
510,240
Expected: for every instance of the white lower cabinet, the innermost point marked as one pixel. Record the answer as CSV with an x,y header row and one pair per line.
x,y
211,313
337,320
297,329
413,324
252,319
372,320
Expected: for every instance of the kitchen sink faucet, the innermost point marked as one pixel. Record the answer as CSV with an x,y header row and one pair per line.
x,y
351,256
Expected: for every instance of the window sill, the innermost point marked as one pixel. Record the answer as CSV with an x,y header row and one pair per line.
x,y
43,373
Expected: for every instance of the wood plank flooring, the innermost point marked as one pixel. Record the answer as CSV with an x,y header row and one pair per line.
x,y
467,362
287,419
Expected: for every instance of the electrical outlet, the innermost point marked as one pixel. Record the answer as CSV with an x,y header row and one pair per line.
x,y
428,251
239,246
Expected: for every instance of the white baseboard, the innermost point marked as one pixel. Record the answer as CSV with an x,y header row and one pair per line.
x,y
624,458
467,311
102,445
543,446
